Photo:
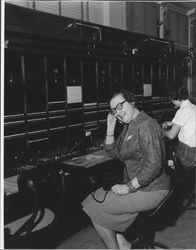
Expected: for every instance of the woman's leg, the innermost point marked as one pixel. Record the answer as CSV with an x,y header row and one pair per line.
x,y
118,212
122,242
108,236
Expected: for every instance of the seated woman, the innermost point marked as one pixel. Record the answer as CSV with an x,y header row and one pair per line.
x,y
141,148
183,126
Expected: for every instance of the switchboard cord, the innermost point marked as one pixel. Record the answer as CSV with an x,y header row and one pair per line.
x,y
110,180
85,138
99,201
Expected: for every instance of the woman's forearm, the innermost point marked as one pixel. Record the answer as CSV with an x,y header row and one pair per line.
x,y
173,132
109,139
111,124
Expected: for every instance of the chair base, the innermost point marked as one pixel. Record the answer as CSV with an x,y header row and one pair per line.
x,y
143,245
189,203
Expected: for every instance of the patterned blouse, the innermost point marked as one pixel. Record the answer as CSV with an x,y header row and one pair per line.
x,y
141,147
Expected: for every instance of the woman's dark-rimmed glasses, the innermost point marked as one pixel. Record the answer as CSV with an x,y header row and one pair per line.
x,y
119,106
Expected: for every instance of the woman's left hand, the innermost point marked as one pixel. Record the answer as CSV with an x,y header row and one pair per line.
x,y
120,189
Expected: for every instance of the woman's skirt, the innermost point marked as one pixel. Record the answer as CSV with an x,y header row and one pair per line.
x,y
117,212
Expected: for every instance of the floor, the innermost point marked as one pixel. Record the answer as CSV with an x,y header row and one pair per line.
x,y
179,235
70,228
175,228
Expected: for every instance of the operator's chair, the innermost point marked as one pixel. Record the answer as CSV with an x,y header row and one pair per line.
x,y
186,180
146,234
25,231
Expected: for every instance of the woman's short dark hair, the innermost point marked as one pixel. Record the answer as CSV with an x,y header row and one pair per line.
x,y
178,93
129,96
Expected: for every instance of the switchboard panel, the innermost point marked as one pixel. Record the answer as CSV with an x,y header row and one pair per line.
x,y
58,84
14,84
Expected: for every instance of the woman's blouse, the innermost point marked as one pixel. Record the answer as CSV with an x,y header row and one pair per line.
x,y
142,149
186,118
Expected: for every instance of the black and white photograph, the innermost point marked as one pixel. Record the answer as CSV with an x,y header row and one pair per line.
x,y
98,124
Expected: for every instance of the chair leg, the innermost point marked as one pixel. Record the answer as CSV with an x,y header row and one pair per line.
x,y
159,245
146,235
138,244
28,226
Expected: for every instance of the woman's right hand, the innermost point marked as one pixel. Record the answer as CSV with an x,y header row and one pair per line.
x,y
165,125
111,123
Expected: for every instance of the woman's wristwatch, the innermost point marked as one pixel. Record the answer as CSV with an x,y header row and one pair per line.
x,y
131,188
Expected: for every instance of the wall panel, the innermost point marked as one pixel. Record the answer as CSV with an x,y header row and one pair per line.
x,y
138,79
90,83
51,6
141,17
35,83
155,80
177,28
128,75
116,75
14,85
55,79
71,9
103,81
